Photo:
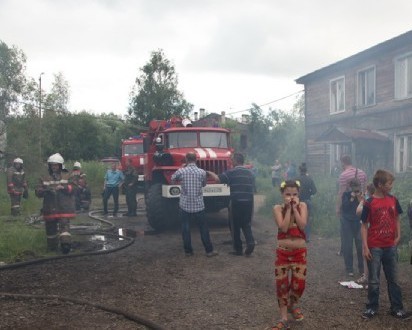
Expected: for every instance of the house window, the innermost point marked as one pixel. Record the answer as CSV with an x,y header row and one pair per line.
x,y
366,87
403,153
337,95
336,152
403,77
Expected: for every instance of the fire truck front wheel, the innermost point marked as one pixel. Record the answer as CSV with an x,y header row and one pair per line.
x,y
162,213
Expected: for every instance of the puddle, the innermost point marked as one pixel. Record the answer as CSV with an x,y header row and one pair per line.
x,y
127,232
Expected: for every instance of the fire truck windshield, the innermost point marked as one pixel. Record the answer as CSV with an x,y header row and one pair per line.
x,y
182,140
189,140
213,140
133,149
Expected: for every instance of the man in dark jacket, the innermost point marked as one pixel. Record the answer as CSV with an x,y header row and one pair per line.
x,y
240,179
131,178
58,204
306,191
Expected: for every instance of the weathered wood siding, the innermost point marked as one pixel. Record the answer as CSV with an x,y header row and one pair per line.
x,y
387,114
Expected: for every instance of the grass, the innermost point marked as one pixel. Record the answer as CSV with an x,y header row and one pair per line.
x,y
19,241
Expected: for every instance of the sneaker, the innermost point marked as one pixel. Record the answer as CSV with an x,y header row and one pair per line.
x,y
189,254
211,254
368,314
249,250
362,280
350,274
401,314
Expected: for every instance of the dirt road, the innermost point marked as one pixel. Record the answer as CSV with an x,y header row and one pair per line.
x,y
154,279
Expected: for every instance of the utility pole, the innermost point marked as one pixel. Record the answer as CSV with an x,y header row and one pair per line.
x,y
40,126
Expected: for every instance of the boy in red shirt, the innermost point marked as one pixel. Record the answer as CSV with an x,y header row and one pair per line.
x,y
381,232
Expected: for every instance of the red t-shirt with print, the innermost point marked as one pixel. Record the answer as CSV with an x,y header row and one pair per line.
x,y
381,214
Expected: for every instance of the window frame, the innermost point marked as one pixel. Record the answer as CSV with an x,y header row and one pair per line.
x,y
403,153
333,104
361,88
407,82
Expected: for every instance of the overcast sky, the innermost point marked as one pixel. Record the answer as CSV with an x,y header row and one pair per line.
x,y
228,54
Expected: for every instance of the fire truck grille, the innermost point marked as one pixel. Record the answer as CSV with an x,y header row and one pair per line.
x,y
214,165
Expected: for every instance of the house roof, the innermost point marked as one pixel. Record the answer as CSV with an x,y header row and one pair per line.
x,y
337,134
397,42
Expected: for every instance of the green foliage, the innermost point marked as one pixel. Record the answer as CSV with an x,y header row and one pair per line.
x,y
58,98
12,78
279,135
155,94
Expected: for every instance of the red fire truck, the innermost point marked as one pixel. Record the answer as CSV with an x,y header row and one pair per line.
x,y
166,145
132,148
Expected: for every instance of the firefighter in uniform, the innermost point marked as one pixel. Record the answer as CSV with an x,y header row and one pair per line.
x,y
16,185
58,204
131,179
82,195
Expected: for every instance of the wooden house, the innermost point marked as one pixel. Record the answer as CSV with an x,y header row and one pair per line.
x,y
362,106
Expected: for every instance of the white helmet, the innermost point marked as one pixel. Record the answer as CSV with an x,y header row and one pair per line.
x,y
56,159
18,161
77,164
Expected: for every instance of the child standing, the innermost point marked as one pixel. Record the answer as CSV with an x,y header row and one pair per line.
x,y
291,218
370,190
351,226
381,233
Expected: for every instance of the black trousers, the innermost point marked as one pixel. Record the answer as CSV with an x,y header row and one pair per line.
x,y
240,214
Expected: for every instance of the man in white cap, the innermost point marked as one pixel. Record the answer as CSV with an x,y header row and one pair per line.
x,y
16,185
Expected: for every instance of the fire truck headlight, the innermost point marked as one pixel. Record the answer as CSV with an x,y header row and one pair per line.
x,y
174,191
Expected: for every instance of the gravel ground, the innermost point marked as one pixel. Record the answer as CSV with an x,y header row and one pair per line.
x,y
152,279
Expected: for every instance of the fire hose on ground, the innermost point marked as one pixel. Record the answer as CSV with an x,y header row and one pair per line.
x,y
129,241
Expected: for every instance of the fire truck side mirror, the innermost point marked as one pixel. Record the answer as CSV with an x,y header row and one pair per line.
x,y
159,142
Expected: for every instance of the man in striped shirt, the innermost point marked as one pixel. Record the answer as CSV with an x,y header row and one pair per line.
x,y
240,179
191,205
349,172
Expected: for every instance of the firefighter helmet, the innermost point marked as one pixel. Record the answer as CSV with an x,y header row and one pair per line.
x,y
18,161
56,159
77,164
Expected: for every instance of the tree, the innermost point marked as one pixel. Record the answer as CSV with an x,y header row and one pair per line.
x,y
58,99
12,78
155,94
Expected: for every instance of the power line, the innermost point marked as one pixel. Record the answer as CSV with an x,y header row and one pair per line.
x,y
265,104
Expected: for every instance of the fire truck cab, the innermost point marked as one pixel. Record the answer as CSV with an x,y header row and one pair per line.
x,y
166,144
132,148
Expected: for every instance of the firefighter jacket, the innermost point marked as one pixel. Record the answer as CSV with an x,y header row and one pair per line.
x,y
57,203
16,181
78,179
130,177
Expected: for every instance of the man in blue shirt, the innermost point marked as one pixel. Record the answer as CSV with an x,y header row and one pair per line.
x,y
240,179
191,205
113,180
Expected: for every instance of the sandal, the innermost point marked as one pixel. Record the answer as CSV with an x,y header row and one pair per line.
x,y
296,313
281,325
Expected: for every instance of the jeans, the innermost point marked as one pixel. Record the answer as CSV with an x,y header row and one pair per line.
x,y
185,218
106,195
387,257
241,219
351,232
